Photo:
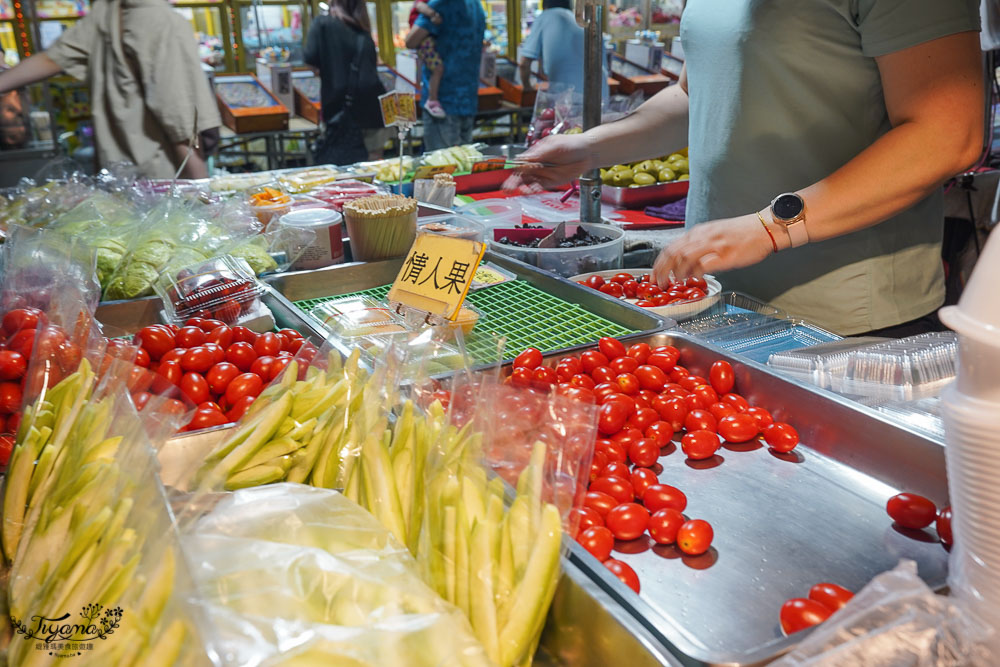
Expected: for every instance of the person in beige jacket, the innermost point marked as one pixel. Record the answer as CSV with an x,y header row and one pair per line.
x,y
149,96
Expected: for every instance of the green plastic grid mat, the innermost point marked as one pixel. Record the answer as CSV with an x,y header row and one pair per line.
x,y
526,315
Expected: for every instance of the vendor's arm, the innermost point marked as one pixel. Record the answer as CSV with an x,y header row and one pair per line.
x,y
657,127
31,70
934,96
525,66
416,36
196,166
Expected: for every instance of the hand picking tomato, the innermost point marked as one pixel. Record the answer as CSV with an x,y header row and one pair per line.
x,y
831,596
663,496
698,445
695,537
624,573
911,511
627,521
943,525
800,613
781,437
598,540
664,525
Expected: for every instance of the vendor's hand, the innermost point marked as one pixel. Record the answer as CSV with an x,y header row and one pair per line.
x,y
714,246
570,153
436,18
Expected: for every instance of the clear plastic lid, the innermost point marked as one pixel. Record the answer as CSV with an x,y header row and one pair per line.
x,y
819,364
355,316
903,369
493,212
223,288
307,179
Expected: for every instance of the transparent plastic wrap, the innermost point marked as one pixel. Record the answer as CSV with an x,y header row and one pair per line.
x,y
269,201
559,110
223,288
87,531
289,573
896,621
903,369
820,364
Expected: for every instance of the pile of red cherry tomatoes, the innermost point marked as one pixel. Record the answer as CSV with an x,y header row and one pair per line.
x,y
648,293
218,368
644,399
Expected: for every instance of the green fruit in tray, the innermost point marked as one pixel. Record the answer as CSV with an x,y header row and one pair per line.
x,y
666,175
645,167
618,167
642,178
680,165
622,178
683,177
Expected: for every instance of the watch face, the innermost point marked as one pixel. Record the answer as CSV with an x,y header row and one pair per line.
x,y
787,206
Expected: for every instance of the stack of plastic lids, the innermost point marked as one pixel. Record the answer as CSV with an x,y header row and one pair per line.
x,y
971,411
820,364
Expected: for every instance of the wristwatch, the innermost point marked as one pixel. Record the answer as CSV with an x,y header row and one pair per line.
x,y
789,211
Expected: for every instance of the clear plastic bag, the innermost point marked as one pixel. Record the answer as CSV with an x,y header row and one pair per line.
x,y
896,621
292,573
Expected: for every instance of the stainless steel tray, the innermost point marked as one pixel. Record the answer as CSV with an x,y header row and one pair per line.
x,y
781,524
355,277
643,196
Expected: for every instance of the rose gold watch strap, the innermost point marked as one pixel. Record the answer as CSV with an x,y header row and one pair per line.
x,y
797,233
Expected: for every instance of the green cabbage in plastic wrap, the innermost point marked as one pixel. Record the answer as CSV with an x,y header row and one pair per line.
x,y
136,281
155,253
256,255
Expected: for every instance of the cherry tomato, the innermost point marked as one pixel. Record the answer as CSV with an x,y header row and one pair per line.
x,y
644,452
698,445
521,376
736,401
572,364
584,518
694,537
640,352
243,335
10,397
672,410
529,358
613,451
616,469
194,386
631,288
663,496
627,436
246,384
624,365
217,351
612,348
651,378
597,465
140,399
291,333
618,488
622,278
603,374
691,382
612,289
627,521
781,437
14,423
801,613
607,391
700,420
643,418
239,408
722,377
627,384
624,573
172,371
642,479
142,357
222,335
582,381
23,342
564,372
611,418
678,373
220,375
660,432
761,416
209,405
696,281
591,359
262,366
830,596
543,378
943,525
597,540
175,354
738,428
206,418
208,324
197,360
241,355
706,394
156,340
601,503
267,345
228,311
910,510
190,337
664,524
720,410
20,319
13,365
6,448
694,402
594,281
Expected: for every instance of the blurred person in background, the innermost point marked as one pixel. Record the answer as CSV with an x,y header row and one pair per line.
x,y
341,48
149,97
459,42
556,42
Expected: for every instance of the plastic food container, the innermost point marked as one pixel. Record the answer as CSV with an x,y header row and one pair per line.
x,y
326,247
383,235
303,181
268,202
493,212
223,288
568,262
467,318
455,226
358,316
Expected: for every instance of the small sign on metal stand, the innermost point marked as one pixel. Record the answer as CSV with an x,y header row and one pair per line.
x,y
399,110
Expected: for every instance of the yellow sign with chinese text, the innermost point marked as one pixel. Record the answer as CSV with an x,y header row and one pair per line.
x,y
437,274
390,109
